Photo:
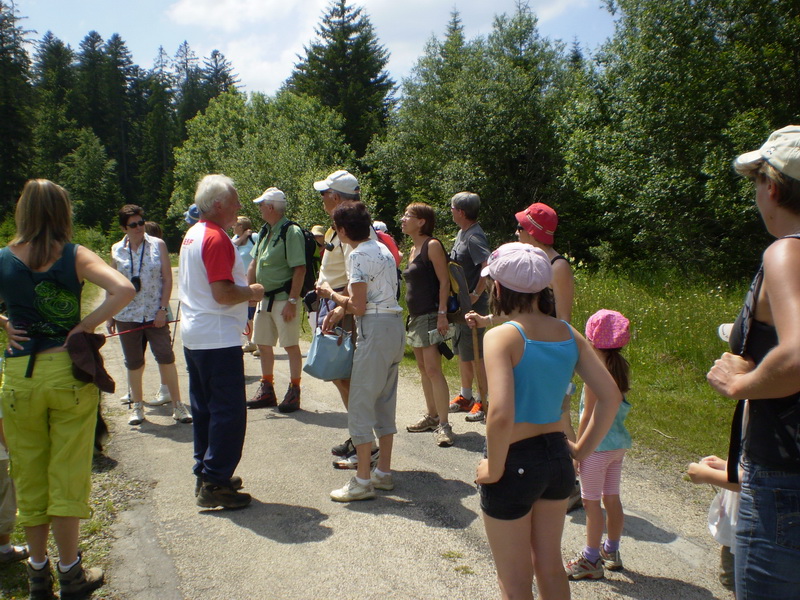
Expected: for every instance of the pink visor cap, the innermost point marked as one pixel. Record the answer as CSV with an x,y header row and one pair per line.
x,y
519,267
608,329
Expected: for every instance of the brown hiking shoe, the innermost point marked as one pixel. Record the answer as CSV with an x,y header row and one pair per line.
x,y
264,397
291,401
212,495
40,582
78,583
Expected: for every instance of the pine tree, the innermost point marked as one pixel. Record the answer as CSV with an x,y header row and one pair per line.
x,y
16,100
218,76
345,68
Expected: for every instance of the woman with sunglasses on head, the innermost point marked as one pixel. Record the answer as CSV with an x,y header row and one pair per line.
x,y
144,260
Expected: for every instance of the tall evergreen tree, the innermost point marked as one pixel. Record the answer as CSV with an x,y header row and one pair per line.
x,y
190,98
218,75
16,100
345,68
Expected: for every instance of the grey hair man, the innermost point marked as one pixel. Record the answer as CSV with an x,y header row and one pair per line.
x,y
279,264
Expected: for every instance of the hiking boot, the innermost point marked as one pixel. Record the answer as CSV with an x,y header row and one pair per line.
x,y
426,423
264,397
353,491
162,397
581,567
78,583
249,347
236,484
350,461
40,582
611,560
459,404
16,554
180,414
382,482
575,501
444,435
476,413
212,495
344,449
137,414
291,401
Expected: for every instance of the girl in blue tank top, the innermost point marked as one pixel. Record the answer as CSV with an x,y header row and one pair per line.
x,y
608,332
527,473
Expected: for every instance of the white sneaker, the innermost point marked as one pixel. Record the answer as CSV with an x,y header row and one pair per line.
x,y
180,414
126,399
137,414
249,347
353,491
161,397
382,482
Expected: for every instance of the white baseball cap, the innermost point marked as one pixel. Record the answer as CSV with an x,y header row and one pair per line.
x,y
781,150
271,196
341,181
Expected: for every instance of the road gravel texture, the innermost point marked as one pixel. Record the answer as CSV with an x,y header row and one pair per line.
x,y
423,540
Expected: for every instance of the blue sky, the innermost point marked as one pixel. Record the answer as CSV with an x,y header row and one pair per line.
x,y
262,38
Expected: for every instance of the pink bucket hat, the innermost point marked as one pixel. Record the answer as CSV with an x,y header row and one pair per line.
x,y
608,329
519,267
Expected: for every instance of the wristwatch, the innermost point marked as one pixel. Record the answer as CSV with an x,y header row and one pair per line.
x,y
164,308
292,300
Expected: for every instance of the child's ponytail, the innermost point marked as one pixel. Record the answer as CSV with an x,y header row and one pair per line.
x,y
618,366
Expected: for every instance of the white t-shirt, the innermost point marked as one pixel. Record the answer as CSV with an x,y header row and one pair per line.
x,y
372,263
334,268
208,255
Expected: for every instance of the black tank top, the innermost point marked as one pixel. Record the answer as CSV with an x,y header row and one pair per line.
x,y
422,285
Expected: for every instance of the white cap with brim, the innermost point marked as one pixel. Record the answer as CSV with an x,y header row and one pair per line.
x,y
781,150
341,181
270,196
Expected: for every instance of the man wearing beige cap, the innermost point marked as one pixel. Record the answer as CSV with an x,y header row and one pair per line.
x,y
340,186
279,264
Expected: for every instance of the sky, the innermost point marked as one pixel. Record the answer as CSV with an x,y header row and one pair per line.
x,y
263,38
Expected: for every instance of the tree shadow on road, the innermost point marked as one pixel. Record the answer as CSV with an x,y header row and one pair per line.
x,y
635,527
424,496
283,523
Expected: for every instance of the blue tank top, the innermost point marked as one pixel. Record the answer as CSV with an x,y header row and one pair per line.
x,y
618,436
541,377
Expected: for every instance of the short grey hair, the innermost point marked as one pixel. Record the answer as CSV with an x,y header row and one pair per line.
x,y
212,188
468,202
353,197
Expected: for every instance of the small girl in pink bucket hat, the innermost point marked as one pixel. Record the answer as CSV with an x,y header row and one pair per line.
x,y
608,331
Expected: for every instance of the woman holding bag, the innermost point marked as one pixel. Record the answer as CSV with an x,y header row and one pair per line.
x,y
372,288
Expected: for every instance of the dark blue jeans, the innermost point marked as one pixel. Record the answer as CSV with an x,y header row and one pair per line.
x,y
768,535
217,396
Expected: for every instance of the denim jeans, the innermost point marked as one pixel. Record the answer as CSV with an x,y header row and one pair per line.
x,y
768,535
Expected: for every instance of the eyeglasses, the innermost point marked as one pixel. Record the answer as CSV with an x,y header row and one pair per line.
x,y
135,224
520,228
409,216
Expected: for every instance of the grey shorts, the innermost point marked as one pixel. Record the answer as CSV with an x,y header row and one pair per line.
x,y
462,340
418,330
134,343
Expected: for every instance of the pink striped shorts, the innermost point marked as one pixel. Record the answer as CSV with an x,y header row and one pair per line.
x,y
601,473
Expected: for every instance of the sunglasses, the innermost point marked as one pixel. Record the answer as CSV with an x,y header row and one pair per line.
x,y
520,228
135,224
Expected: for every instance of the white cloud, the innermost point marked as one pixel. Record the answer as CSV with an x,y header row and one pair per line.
x,y
235,15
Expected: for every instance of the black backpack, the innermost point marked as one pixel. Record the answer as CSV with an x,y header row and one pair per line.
x,y
312,263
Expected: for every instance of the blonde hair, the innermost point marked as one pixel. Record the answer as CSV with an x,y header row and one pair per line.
x,y
245,222
44,220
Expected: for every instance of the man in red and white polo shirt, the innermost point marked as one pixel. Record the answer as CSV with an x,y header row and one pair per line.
x,y
214,296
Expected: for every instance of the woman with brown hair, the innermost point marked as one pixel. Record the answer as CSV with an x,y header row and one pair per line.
x,y
427,289
49,415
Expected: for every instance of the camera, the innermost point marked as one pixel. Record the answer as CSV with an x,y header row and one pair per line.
x,y
137,283
311,301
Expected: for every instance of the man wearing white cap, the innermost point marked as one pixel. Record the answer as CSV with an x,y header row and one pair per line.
x,y
279,264
340,186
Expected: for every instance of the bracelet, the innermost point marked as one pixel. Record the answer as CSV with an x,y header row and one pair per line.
x,y
442,312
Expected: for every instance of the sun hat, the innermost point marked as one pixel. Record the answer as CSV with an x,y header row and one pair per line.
x,y
781,150
380,226
540,221
192,215
608,329
340,181
271,196
317,230
519,267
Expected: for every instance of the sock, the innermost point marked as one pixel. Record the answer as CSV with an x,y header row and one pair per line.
x,y
380,473
38,565
62,568
467,393
295,382
270,379
363,481
611,545
591,554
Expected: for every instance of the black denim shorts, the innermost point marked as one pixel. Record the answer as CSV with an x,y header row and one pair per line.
x,y
537,467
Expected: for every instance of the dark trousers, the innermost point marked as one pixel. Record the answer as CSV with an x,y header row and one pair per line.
x,y
217,397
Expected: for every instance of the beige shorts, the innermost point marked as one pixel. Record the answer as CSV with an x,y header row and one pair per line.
x,y
269,328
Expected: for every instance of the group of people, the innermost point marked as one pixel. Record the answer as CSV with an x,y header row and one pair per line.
x,y
522,290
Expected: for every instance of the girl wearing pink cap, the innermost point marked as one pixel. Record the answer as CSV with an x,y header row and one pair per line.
x,y
607,332
527,475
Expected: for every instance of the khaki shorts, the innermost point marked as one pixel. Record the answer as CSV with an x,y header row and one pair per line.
x,y
418,330
269,328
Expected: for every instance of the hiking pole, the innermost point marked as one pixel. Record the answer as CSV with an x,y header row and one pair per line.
x,y
175,329
480,374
